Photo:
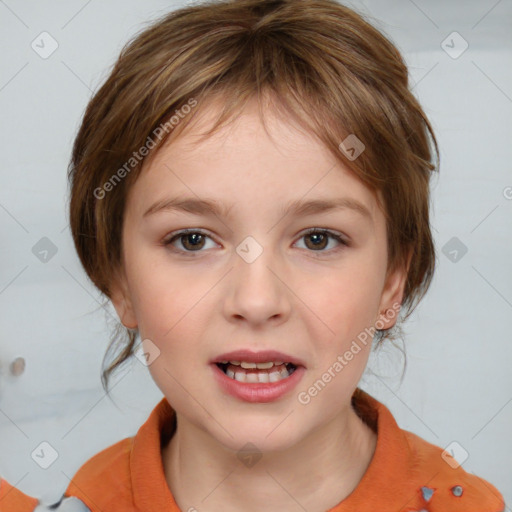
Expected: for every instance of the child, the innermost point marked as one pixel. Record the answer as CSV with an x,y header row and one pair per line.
x,y
309,214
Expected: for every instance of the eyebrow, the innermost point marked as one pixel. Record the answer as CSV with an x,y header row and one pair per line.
x,y
298,207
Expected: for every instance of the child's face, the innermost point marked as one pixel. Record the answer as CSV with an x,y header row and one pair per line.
x,y
308,297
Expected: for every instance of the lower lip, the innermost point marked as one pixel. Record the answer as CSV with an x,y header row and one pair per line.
x,y
258,392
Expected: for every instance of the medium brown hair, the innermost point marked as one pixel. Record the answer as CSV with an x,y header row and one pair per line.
x,y
320,62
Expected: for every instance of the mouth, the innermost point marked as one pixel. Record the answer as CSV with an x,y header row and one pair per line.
x,y
256,373
261,377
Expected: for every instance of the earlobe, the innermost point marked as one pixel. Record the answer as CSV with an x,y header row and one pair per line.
x,y
120,299
392,296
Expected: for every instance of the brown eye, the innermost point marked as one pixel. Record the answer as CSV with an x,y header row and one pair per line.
x,y
188,241
192,241
317,240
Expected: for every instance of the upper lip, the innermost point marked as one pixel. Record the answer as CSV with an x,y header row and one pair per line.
x,y
258,357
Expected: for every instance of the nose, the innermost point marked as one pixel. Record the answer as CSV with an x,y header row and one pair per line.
x,y
257,290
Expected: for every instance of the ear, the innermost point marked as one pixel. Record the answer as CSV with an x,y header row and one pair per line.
x,y
392,295
120,297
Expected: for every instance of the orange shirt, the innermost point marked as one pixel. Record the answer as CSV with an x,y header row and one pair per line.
x,y
405,474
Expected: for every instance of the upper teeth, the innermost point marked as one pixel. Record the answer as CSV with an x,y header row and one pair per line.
x,y
260,366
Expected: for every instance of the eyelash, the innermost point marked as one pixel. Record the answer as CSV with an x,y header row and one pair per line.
x,y
331,234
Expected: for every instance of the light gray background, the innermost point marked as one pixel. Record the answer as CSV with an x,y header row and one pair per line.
x,y
458,386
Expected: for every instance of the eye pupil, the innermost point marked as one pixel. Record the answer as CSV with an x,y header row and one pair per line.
x,y
195,237
318,239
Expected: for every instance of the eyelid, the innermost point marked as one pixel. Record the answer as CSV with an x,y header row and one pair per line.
x,y
181,232
341,238
331,232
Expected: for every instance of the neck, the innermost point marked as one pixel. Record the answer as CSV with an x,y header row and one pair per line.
x,y
315,474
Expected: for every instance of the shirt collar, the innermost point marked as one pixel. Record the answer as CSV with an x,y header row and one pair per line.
x,y
384,484
150,488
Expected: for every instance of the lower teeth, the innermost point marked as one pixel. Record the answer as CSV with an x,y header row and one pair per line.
x,y
256,377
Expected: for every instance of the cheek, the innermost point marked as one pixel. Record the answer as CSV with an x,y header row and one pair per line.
x,y
176,327
348,303
163,298
170,316
173,312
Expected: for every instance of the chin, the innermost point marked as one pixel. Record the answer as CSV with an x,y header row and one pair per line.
x,y
263,435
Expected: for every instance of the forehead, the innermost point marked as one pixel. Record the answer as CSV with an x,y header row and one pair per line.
x,y
280,159
256,118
